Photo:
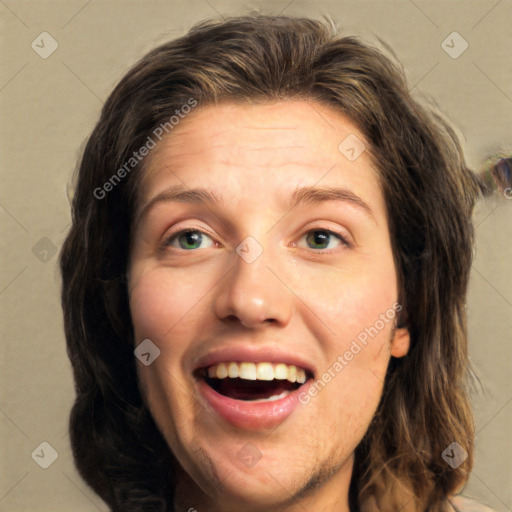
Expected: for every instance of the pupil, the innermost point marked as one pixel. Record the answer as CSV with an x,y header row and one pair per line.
x,y
191,238
320,237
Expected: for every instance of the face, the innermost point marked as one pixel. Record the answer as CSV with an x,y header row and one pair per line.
x,y
261,267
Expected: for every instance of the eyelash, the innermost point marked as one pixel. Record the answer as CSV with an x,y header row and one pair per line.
x,y
168,240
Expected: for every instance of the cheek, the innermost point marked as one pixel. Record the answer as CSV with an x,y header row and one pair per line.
x,y
161,306
353,394
357,304
166,312
351,303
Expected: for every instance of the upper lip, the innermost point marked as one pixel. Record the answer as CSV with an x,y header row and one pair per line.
x,y
253,354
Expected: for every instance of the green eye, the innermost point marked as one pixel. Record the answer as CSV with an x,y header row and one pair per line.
x,y
188,239
323,239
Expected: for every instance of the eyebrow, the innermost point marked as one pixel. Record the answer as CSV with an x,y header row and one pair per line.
x,y
301,195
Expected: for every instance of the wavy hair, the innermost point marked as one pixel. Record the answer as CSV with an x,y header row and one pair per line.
x,y
429,193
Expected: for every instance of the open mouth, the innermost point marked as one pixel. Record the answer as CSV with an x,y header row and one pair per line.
x,y
254,382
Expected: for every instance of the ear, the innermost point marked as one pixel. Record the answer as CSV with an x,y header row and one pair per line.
x,y
400,342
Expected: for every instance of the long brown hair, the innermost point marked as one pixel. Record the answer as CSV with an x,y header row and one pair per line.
x,y
429,194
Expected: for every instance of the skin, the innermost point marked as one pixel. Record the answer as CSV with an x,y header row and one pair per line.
x,y
311,299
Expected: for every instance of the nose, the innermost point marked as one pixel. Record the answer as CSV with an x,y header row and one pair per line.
x,y
253,295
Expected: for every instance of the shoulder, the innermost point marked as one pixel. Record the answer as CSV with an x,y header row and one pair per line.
x,y
463,504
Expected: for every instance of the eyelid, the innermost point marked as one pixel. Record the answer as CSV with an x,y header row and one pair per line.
x,y
175,232
338,234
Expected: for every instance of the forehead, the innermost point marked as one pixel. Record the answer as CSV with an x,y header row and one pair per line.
x,y
306,126
242,147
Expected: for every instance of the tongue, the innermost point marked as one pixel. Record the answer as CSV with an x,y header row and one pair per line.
x,y
242,389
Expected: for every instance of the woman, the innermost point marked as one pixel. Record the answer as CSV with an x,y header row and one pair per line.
x,y
265,279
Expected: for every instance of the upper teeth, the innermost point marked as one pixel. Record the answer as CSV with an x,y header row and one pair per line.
x,y
257,371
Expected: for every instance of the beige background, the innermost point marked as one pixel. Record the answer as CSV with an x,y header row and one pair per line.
x,y
49,106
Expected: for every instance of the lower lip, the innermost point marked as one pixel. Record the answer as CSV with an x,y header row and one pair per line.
x,y
249,415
